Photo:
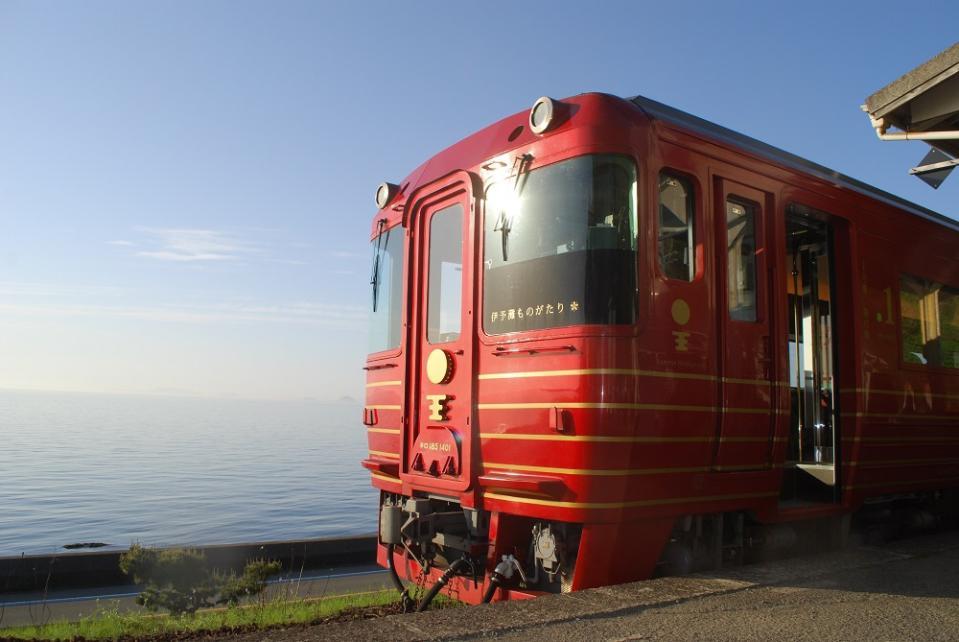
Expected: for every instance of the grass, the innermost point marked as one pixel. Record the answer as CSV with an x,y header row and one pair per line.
x,y
111,625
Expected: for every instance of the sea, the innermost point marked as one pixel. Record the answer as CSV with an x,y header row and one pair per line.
x,y
78,468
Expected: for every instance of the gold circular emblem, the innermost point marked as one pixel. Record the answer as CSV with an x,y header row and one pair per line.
x,y
680,312
439,366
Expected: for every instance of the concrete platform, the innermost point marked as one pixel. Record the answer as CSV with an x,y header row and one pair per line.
x,y
908,590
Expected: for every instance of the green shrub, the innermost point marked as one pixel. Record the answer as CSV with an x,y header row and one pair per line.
x,y
181,581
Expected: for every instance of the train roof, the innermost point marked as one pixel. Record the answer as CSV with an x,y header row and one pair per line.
x,y
658,111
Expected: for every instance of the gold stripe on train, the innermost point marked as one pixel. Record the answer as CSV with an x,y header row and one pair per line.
x,y
495,490
932,480
632,504
609,405
662,374
747,468
625,439
384,407
901,463
897,441
625,472
387,478
595,472
905,393
384,454
380,384
384,431
885,415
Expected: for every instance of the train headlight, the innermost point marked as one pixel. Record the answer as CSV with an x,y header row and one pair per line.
x,y
543,115
385,193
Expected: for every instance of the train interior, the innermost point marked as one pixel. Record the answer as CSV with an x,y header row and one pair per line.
x,y
810,469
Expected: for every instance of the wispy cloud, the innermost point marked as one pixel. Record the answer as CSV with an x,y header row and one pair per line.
x,y
187,245
320,314
200,246
41,290
344,254
289,261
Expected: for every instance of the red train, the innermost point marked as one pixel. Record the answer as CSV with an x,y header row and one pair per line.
x,y
609,337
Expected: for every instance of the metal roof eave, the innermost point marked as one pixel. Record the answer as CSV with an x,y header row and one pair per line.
x,y
911,84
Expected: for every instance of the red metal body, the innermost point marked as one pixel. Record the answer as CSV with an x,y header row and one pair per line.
x,y
612,427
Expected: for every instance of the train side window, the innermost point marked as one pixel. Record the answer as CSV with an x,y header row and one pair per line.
x,y
741,260
675,242
929,322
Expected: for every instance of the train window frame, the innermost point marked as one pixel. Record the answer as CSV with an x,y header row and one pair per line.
x,y
575,330
439,296
758,233
696,246
941,366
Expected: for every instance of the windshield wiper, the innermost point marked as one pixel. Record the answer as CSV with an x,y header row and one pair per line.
x,y
380,242
504,223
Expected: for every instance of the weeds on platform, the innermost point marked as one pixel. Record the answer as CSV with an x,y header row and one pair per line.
x,y
111,625
180,580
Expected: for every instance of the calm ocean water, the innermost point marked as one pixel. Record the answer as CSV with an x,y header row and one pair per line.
x,y
162,471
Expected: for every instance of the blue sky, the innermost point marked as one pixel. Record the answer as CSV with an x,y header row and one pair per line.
x,y
186,188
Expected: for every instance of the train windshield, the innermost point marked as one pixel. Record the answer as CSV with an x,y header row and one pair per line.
x,y
386,322
560,246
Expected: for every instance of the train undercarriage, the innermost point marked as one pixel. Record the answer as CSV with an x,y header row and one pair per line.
x,y
478,556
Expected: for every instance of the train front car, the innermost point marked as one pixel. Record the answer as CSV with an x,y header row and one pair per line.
x,y
609,337
502,410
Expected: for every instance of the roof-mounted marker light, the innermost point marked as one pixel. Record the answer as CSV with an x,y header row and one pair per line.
x,y
543,115
385,193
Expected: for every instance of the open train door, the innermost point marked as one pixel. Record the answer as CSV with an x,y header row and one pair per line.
x,y
742,216
811,469
440,439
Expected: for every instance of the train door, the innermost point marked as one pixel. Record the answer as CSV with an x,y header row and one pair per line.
x,y
441,365
810,463
747,381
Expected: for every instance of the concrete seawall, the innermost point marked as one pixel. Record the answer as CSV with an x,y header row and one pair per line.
x,y
101,568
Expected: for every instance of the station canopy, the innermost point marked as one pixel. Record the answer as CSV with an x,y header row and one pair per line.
x,y
924,105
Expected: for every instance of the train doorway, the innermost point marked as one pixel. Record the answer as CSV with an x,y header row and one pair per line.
x,y
811,455
439,446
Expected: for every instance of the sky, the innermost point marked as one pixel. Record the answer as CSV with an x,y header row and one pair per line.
x,y
186,188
